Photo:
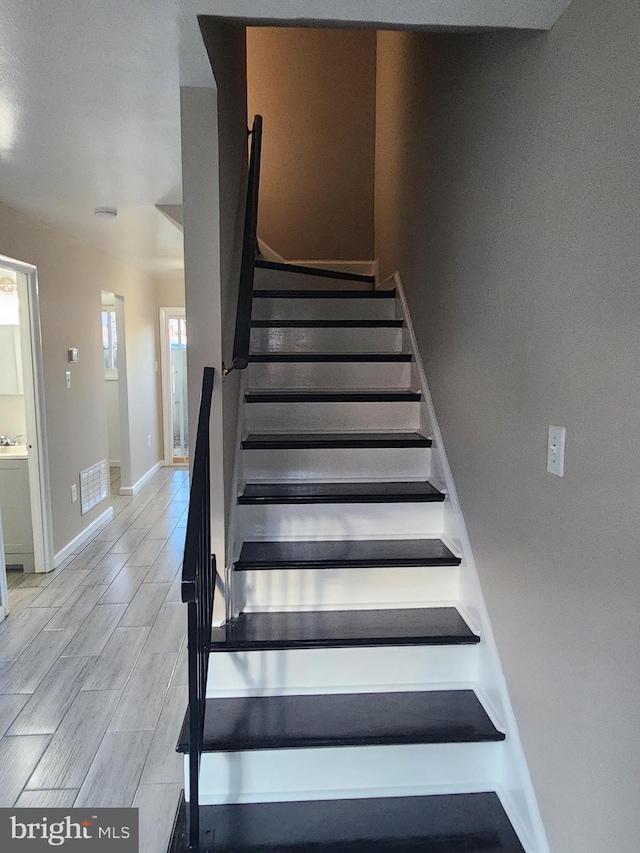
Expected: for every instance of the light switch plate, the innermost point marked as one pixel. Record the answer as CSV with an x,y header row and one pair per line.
x,y
67,379
555,450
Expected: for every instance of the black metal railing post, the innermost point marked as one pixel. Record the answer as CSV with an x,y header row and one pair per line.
x,y
242,333
198,589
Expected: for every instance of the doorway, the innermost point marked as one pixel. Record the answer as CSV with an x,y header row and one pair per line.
x,y
173,357
25,501
115,378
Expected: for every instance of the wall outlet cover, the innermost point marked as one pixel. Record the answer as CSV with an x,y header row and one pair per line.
x,y
555,450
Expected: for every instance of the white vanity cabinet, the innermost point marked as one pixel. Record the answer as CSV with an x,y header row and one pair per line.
x,y
11,379
16,509
4,591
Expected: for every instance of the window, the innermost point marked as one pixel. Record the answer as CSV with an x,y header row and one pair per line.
x,y
109,339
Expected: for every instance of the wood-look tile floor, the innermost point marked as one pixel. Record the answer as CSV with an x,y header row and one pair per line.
x,y
93,669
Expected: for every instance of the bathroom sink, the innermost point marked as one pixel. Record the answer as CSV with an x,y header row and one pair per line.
x,y
16,451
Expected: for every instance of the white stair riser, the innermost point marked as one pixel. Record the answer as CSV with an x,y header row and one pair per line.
x,y
265,308
386,463
355,670
340,773
332,417
348,520
327,374
266,279
340,589
326,340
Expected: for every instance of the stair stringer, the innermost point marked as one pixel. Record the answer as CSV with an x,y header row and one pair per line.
x,y
269,253
515,788
366,267
233,530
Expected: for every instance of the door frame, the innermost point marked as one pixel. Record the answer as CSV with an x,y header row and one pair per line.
x,y
124,431
34,397
126,480
167,442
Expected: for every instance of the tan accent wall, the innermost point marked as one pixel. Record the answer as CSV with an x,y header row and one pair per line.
x,y
315,89
71,277
510,205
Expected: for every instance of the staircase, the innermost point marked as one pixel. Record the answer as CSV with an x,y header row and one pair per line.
x,y
352,702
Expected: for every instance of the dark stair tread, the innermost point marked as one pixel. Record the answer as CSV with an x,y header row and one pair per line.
x,y
246,723
297,492
313,395
315,271
427,626
324,294
345,553
442,823
310,440
327,324
330,356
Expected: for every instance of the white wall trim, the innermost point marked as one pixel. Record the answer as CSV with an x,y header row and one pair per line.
x,y
74,546
519,800
358,267
269,253
33,376
123,392
165,374
133,490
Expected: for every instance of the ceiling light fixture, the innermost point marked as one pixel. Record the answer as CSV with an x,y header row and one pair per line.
x,y
106,212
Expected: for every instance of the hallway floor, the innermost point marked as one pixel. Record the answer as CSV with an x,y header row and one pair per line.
x,y
93,669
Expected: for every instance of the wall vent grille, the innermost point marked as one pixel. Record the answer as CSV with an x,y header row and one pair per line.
x,y
94,482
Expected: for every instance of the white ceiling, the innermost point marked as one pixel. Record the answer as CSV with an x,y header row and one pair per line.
x,y
89,101
89,115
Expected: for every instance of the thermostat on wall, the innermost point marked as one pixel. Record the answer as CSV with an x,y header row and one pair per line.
x,y
74,354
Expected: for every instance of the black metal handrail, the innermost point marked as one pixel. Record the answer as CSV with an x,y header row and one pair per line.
x,y
249,254
198,589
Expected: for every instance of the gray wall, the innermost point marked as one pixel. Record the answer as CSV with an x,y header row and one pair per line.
x,y
315,89
214,163
515,212
71,278
226,47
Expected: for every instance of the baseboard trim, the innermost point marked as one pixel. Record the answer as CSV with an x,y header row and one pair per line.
x,y
364,267
269,253
78,541
137,486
